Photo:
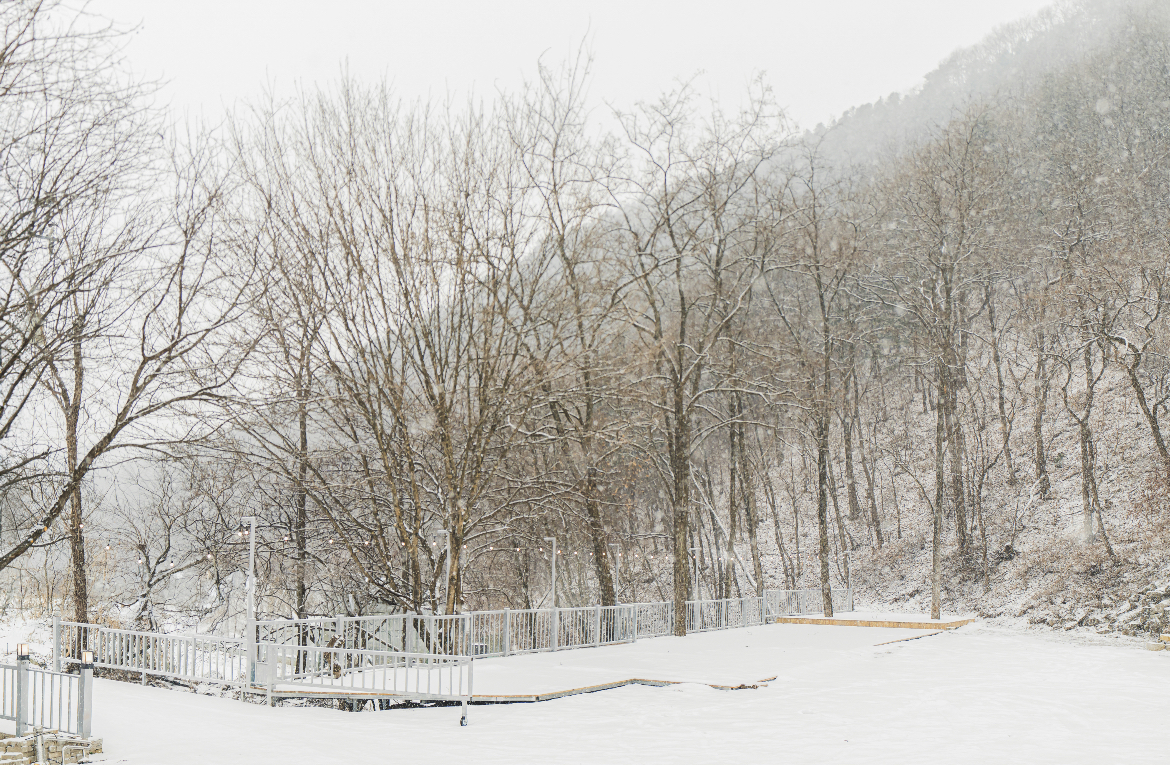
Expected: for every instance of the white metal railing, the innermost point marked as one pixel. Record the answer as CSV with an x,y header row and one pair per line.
x,y
210,658
197,658
654,619
808,601
705,615
508,631
294,670
417,633
40,698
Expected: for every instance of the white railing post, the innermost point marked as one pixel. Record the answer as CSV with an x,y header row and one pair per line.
x,y
272,654
470,679
85,696
635,623
554,638
507,630
56,642
597,625
22,688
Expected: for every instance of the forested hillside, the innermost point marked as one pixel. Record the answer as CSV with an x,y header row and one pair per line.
x,y
921,350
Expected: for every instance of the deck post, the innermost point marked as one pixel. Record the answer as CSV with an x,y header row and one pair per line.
x,y
85,696
56,642
22,689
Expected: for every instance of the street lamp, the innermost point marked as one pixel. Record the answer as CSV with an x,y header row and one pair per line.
x,y
553,540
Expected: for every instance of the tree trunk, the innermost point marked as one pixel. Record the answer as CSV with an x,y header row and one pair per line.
x,y
1005,429
955,443
76,519
680,466
300,532
847,423
597,534
1040,390
1088,455
733,459
751,517
822,435
1150,413
936,528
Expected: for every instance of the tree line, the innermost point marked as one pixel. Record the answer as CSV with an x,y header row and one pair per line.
x,y
417,342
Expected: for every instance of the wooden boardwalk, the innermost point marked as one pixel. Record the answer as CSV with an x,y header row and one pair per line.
x,y
895,624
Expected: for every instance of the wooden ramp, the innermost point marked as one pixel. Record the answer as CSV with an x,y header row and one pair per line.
x,y
888,623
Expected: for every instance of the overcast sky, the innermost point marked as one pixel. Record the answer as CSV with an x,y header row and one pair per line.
x,y
820,57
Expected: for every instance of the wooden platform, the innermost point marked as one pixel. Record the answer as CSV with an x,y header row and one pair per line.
x,y
895,624
531,698
359,693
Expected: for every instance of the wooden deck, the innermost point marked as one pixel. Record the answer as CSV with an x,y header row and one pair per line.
x,y
894,624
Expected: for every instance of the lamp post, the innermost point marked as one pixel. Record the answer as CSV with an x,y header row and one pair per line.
x,y
250,594
616,569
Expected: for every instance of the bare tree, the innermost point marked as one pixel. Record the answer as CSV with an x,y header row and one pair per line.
x,y
696,242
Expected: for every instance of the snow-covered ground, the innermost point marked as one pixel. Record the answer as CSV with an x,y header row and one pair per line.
x,y
977,694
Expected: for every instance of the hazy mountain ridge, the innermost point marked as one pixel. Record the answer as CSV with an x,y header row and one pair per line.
x,y
1012,60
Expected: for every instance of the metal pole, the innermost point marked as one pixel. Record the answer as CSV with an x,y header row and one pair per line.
x,y
616,571
250,590
85,696
470,681
56,642
22,689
